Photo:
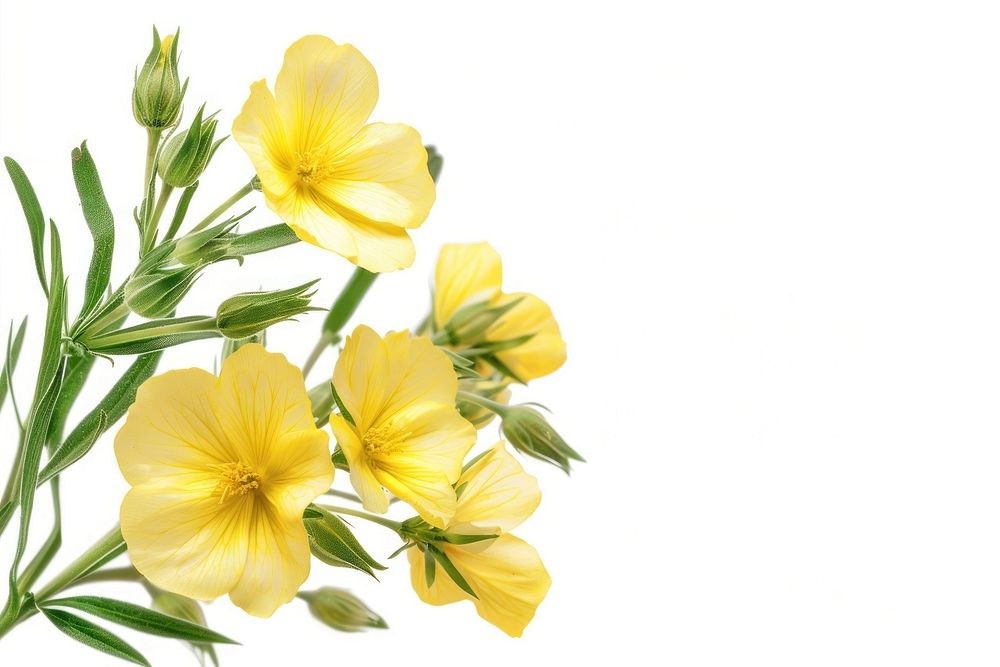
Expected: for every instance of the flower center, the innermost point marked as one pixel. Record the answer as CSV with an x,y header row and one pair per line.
x,y
381,441
311,167
236,479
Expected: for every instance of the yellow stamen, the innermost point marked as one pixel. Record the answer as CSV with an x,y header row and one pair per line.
x,y
382,441
236,479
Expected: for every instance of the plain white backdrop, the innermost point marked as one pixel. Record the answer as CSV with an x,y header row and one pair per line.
x,y
770,234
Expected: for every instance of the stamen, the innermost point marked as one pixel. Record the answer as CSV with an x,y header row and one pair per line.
x,y
236,479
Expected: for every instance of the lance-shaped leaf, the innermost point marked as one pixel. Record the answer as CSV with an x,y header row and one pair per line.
x,y
333,543
97,213
442,559
13,352
139,618
93,635
32,214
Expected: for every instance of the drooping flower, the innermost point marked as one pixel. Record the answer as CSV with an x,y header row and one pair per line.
x,y
470,273
506,573
406,434
338,183
221,471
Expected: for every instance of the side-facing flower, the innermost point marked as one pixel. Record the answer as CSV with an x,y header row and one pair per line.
x,y
338,183
506,573
221,471
404,432
523,336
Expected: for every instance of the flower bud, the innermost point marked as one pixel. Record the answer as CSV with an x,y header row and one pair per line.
x,y
245,314
157,294
341,610
527,430
177,606
478,415
187,154
208,245
158,93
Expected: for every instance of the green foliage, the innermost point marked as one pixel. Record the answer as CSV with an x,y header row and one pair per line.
x,y
93,635
99,219
333,543
32,214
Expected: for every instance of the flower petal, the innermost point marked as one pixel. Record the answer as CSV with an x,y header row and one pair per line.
x,y
544,353
442,591
382,176
325,93
184,540
262,398
422,488
299,470
171,428
259,130
359,376
496,492
418,372
373,496
465,272
277,561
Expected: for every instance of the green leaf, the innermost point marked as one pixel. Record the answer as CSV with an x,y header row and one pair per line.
x,y
13,352
33,215
333,543
97,213
449,567
109,410
435,161
180,212
139,618
429,568
77,371
93,636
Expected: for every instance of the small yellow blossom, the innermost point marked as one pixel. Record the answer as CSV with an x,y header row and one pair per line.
x,y
469,273
406,436
506,573
338,183
221,471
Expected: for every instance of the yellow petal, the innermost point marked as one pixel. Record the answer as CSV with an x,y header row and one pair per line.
x,y
373,496
171,428
381,176
325,92
298,470
259,130
262,397
442,591
359,376
506,573
277,561
496,493
544,353
465,272
184,540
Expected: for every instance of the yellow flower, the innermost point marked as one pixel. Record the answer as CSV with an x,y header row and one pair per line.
x,y
406,436
221,470
506,573
338,183
470,273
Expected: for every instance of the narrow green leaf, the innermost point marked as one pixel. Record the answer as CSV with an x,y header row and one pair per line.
x,y
109,410
180,212
139,618
99,219
334,544
435,161
449,567
13,353
429,568
93,636
77,371
33,215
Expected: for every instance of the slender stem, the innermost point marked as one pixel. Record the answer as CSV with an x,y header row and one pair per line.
x,y
492,406
343,308
149,233
388,523
127,573
89,561
343,494
224,206
153,142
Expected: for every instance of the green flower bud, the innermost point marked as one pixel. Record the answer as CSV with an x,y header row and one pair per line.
x,y
207,245
527,430
158,93
245,314
341,610
177,606
187,154
157,294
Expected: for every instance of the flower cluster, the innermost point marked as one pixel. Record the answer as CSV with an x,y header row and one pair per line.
x,y
230,474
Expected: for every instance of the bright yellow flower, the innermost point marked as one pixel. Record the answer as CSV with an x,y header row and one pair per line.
x,y
221,470
407,435
471,272
340,184
506,573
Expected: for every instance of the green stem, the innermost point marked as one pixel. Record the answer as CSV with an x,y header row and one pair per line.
x,y
492,406
152,143
225,206
343,494
388,523
343,308
149,233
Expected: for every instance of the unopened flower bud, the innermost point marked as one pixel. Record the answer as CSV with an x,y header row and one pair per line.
x,y
341,610
158,93
157,294
246,314
187,154
527,430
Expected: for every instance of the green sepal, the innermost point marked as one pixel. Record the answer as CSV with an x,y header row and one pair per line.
x,y
430,569
139,618
442,559
344,412
93,635
332,542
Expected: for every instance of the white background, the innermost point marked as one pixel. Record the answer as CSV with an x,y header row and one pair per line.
x,y
769,232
